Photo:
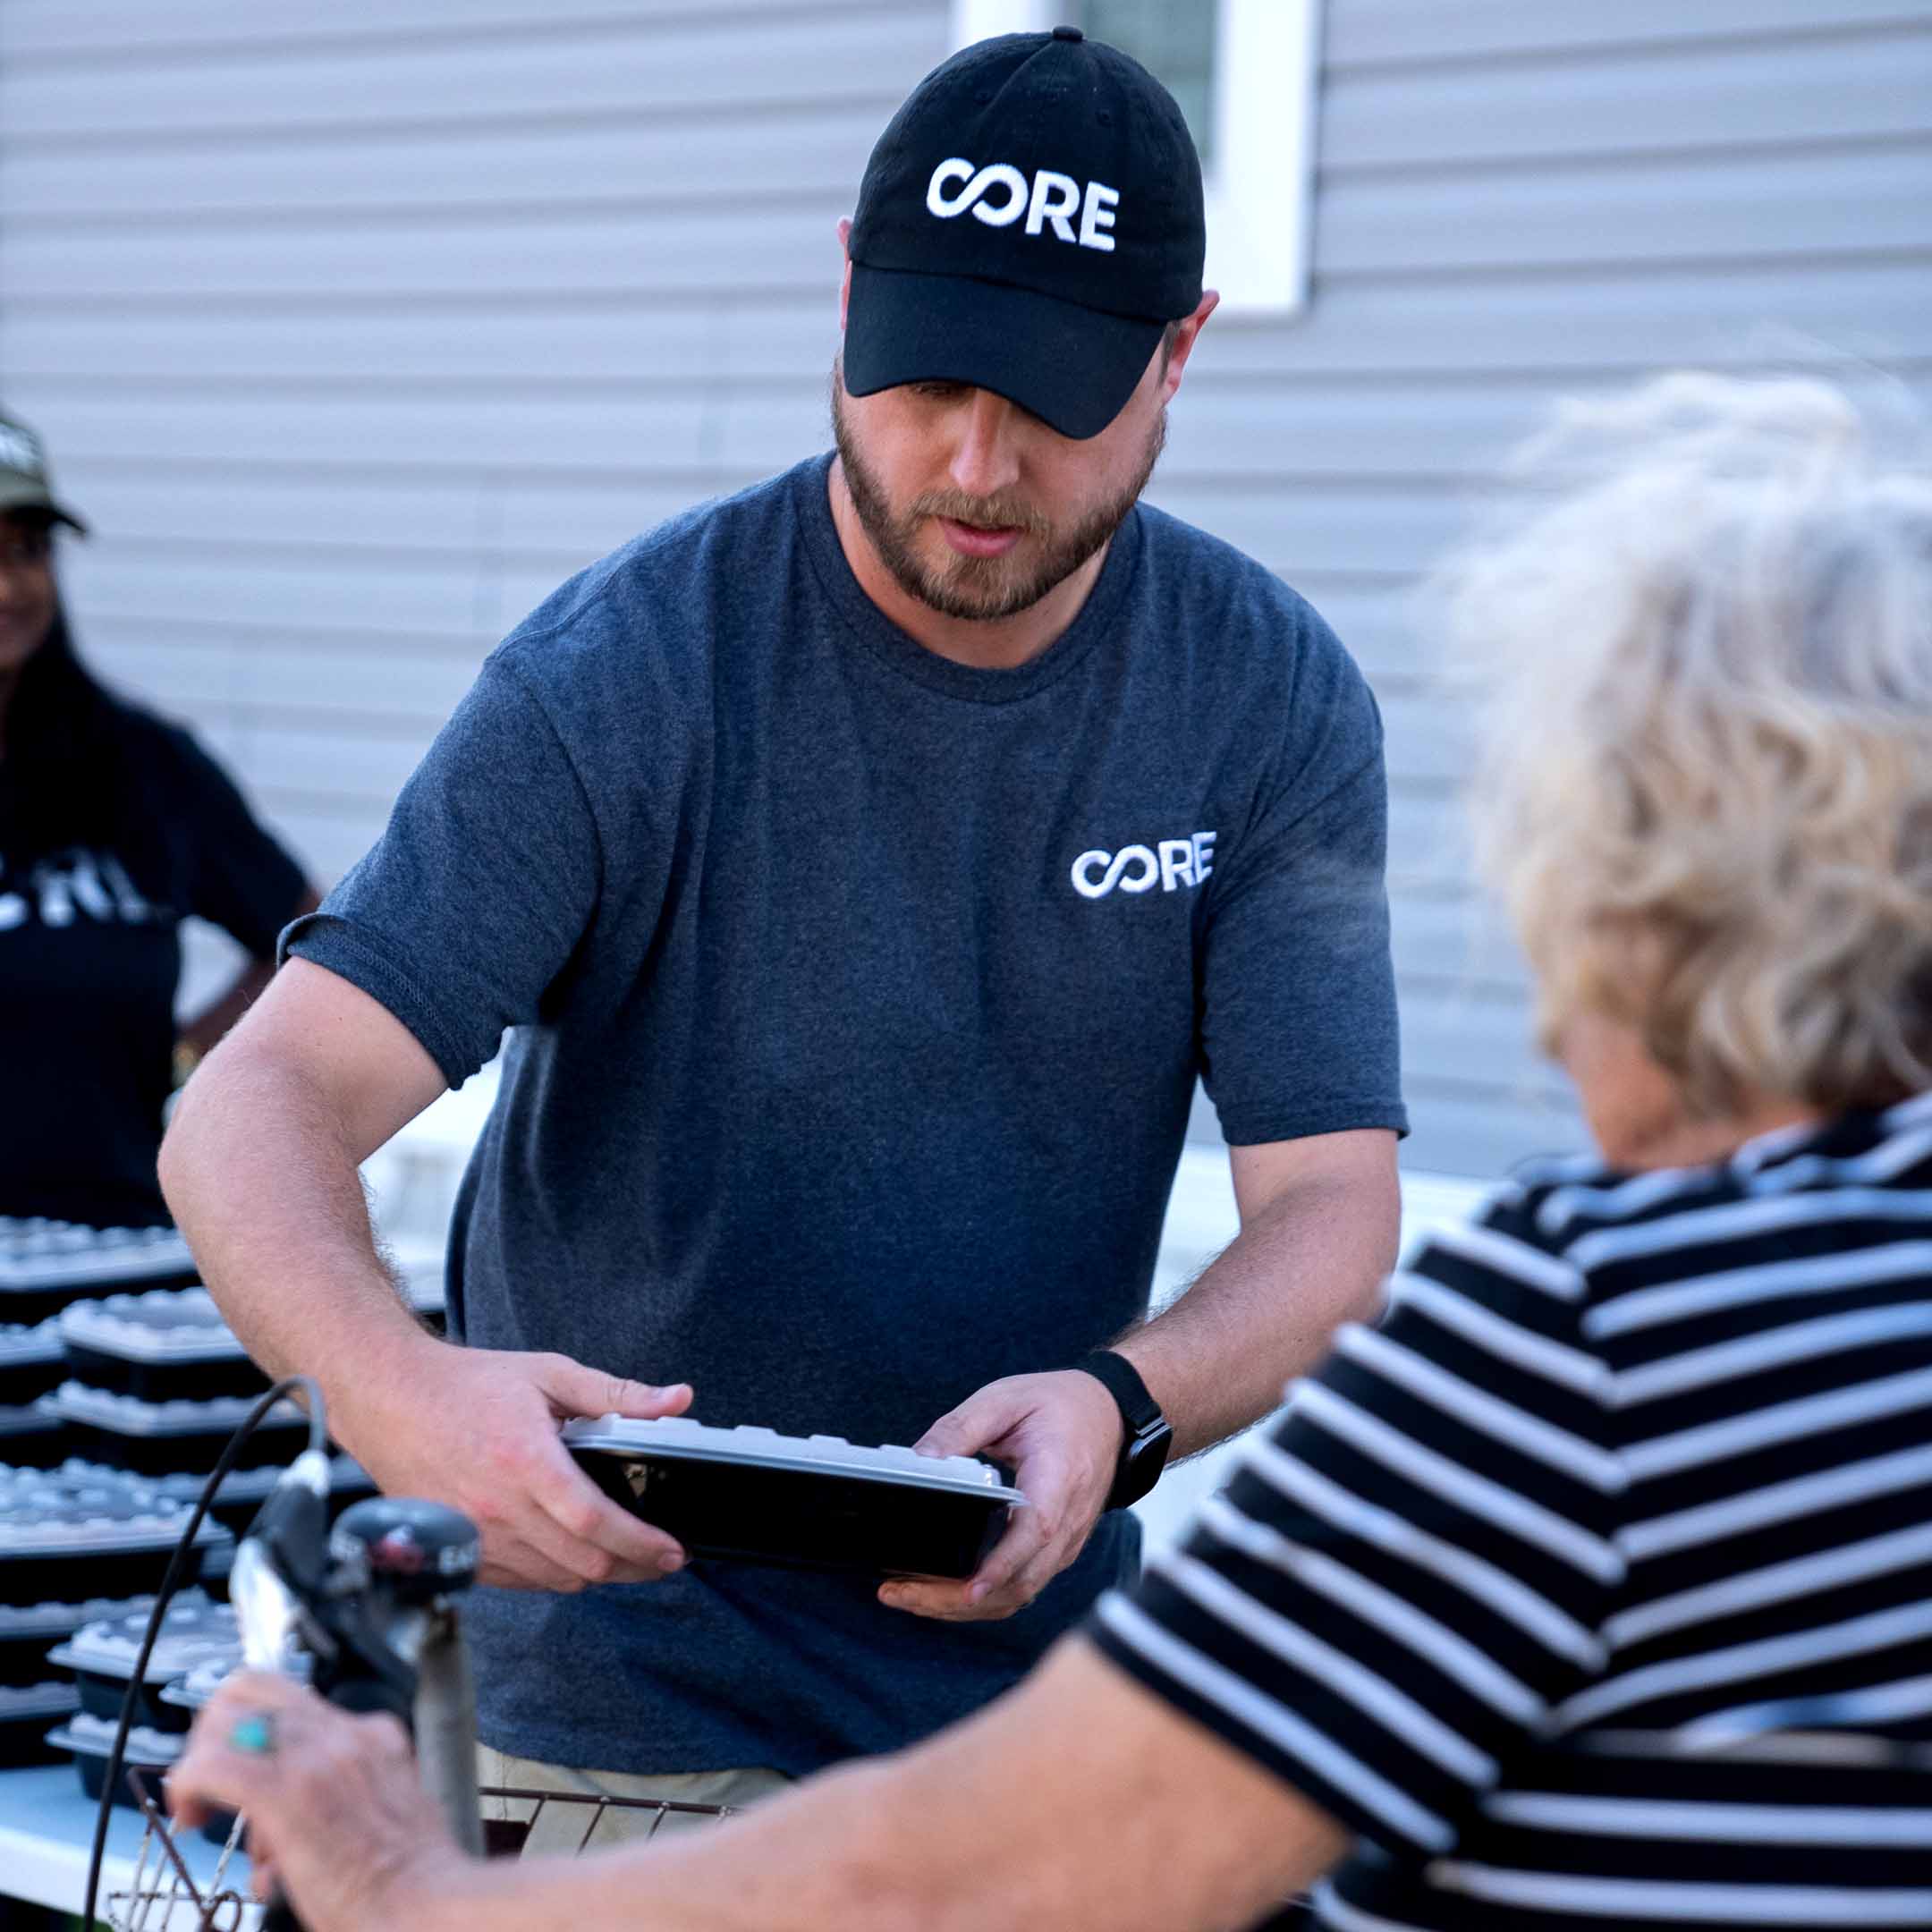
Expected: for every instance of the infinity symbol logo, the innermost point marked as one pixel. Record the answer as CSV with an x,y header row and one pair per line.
x,y
1135,869
998,194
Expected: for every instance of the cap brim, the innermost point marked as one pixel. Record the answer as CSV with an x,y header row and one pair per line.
x,y
29,496
1073,368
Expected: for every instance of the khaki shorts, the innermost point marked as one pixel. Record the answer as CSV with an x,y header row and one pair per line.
x,y
561,1827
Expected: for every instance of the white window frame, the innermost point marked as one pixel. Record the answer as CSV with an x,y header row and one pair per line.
x,y
1259,191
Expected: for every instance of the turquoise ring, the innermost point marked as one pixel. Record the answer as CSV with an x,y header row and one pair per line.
x,y
254,1734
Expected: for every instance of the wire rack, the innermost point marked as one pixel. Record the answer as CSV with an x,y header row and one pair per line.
x,y
163,1896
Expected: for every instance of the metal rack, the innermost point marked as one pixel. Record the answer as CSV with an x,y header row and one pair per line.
x,y
163,1896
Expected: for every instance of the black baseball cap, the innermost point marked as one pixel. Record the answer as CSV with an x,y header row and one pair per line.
x,y
1030,223
25,484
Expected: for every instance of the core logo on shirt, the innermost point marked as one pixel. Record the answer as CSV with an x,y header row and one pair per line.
x,y
999,194
75,882
1169,864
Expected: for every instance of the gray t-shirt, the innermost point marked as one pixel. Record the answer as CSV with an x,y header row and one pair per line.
x,y
858,998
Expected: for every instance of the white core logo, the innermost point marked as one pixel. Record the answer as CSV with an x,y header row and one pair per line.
x,y
1137,868
999,195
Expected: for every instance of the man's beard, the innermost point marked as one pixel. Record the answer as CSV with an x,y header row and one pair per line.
x,y
980,589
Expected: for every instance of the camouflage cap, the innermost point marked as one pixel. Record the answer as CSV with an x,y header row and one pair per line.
x,y
25,483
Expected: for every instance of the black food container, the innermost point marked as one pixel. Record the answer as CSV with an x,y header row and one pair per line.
x,y
45,1265
29,1361
194,1631
26,1710
166,1345
89,1740
163,1438
803,1503
191,1695
216,1567
33,1437
65,1538
27,1629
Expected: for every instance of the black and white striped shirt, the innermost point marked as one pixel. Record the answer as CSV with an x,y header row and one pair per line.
x,y
1594,1585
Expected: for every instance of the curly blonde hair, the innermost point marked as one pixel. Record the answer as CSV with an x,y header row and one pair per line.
x,y
1703,773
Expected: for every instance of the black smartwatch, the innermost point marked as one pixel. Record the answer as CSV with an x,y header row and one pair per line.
x,y
1148,1439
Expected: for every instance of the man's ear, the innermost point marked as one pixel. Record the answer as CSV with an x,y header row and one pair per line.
x,y
1185,337
844,293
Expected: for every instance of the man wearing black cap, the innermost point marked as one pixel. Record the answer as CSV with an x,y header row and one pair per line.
x,y
868,866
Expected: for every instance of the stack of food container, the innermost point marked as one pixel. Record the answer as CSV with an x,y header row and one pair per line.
x,y
74,1548
84,1543
32,1361
120,1387
195,1633
156,1384
46,1267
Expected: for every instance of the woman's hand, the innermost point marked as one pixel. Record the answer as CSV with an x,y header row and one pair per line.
x,y
336,1813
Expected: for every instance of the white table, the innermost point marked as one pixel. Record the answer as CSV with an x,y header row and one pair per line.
x,y
47,1832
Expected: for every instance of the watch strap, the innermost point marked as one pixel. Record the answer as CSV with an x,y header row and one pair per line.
x,y
1122,1380
1146,1435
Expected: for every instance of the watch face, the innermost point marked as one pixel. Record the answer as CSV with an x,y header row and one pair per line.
x,y
1142,1460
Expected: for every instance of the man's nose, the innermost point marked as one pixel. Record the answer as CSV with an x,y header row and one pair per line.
x,y
985,458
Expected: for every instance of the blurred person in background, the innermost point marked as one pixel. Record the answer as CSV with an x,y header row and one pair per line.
x,y
115,826
1594,1585
867,866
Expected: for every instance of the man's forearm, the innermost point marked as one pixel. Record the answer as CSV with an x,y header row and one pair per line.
x,y
1313,1257
263,1181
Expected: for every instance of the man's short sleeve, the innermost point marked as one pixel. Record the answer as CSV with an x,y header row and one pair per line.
x,y
1408,1573
240,878
467,908
1298,996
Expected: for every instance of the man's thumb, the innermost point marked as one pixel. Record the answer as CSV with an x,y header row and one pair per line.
x,y
981,1419
575,1390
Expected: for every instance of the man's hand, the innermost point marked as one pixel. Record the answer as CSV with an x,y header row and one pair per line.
x,y
1060,1434
337,1814
476,1428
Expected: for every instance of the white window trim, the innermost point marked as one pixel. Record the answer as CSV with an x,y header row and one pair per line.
x,y
1259,192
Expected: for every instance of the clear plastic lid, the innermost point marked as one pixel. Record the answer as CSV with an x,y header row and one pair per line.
x,y
195,1630
24,1344
18,1702
93,1737
680,1438
36,1254
197,1689
60,1515
239,1486
20,1622
128,1415
165,1325
32,1418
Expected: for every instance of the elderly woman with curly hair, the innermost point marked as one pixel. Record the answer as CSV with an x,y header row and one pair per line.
x,y
1594,1585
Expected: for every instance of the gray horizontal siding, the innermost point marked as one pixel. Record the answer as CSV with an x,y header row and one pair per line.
x,y
687,65
1364,33
1532,327
357,325
46,34
1857,84
1711,208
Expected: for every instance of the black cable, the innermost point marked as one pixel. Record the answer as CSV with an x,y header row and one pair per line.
x,y
177,1564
